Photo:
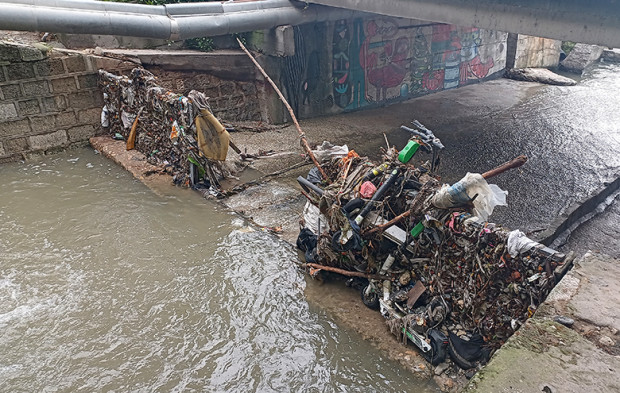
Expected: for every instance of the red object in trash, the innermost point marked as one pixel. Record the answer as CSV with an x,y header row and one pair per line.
x,y
367,189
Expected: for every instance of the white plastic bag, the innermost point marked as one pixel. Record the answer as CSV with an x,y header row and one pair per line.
x,y
105,121
489,195
327,151
518,243
312,215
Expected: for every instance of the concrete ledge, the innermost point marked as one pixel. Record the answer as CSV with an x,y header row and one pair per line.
x,y
225,64
132,160
546,356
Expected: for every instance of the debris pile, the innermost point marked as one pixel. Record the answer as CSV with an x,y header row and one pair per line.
x,y
426,255
178,133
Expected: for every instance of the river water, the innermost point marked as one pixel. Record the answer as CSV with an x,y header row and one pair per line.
x,y
108,286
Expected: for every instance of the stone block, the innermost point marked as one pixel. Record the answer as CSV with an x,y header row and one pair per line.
x,y
98,97
90,116
65,119
2,77
61,102
87,81
9,53
81,133
47,141
7,111
249,89
285,40
227,88
48,104
11,92
82,99
10,129
19,71
53,104
64,85
2,152
41,124
49,67
29,107
16,145
28,53
35,89
75,64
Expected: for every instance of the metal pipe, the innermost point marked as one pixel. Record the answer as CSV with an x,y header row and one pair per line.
x,y
176,9
172,22
92,5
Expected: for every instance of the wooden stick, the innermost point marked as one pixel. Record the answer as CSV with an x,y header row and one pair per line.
x,y
514,163
302,135
131,139
347,273
345,174
388,224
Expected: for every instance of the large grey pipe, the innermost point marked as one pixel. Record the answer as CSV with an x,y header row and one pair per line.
x,y
173,22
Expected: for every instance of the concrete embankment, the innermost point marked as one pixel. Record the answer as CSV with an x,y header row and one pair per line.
x,y
544,355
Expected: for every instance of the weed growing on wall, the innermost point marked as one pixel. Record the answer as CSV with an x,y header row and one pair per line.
x,y
204,44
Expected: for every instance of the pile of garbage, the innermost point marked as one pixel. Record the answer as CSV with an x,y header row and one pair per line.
x,y
425,255
176,132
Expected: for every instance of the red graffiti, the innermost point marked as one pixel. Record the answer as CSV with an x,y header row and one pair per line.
x,y
475,69
384,62
433,80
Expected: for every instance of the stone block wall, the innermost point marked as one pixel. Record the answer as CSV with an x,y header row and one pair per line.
x,y
48,101
230,100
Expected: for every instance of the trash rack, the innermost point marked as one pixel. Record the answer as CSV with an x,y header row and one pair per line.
x,y
423,254
175,132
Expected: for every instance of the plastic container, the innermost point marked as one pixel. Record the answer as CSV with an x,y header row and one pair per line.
x,y
408,151
417,230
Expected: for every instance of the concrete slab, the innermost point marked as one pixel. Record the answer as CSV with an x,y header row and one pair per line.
x,y
549,357
272,205
227,64
133,161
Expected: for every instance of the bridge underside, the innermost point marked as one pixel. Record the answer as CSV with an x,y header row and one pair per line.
x,y
595,22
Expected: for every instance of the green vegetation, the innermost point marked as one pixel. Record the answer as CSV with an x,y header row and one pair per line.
x,y
567,46
204,44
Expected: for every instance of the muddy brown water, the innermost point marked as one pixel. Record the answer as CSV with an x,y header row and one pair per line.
x,y
108,286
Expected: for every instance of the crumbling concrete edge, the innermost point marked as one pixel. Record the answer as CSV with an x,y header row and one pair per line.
x,y
578,213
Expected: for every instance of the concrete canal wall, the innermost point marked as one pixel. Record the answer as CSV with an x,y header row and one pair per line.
x,y
47,101
349,65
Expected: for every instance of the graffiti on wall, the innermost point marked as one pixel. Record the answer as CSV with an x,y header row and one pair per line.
x,y
383,56
382,59
456,59
341,64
